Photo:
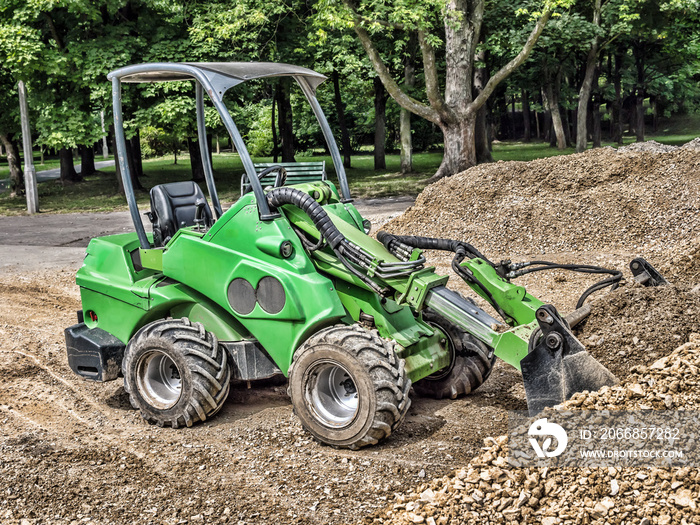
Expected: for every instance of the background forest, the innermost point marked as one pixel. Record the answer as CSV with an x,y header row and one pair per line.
x,y
409,76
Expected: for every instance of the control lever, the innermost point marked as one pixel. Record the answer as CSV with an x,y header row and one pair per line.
x,y
199,214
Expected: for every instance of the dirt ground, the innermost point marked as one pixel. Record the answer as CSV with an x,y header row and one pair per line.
x,y
72,450
75,451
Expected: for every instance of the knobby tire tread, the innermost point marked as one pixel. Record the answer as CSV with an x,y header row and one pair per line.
x,y
204,357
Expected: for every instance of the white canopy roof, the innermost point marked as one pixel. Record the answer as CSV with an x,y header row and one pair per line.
x,y
238,72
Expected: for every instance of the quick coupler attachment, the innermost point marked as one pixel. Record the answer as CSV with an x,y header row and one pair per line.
x,y
644,273
558,365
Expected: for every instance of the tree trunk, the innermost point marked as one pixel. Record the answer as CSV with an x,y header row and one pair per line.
x,y
406,156
16,175
552,100
105,150
597,130
87,160
584,94
135,154
409,75
481,137
460,153
340,110
595,107
273,120
616,131
134,162
526,116
379,124
284,120
117,171
68,173
639,109
195,160
638,51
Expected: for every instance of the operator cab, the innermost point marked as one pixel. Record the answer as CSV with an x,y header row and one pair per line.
x,y
183,204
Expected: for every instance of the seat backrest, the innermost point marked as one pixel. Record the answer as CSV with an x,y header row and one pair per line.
x,y
174,206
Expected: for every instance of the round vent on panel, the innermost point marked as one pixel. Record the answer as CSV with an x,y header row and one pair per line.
x,y
241,296
271,295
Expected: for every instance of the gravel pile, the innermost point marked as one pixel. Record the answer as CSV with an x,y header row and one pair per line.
x,y
598,200
649,145
645,201
692,145
635,325
489,490
681,264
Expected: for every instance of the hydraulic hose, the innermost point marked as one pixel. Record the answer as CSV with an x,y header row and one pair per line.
x,y
349,254
430,243
305,202
397,243
613,281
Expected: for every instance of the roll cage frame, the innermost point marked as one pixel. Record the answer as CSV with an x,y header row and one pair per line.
x,y
216,78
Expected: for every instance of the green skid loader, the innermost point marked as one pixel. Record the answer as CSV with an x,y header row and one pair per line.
x,y
288,281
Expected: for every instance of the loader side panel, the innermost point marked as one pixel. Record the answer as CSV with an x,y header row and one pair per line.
x,y
242,267
113,286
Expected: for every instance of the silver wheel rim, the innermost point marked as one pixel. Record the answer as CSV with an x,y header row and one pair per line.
x,y
332,394
158,380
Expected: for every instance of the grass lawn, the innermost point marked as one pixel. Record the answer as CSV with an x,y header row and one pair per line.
x,y
100,192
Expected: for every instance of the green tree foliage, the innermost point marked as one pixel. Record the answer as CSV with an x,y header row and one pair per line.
x,y
451,30
474,59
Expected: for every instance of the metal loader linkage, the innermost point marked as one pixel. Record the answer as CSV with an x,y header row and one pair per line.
x,y
288,281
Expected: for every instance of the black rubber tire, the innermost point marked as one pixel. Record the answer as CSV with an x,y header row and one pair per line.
x,y
379,377
202,364
472,362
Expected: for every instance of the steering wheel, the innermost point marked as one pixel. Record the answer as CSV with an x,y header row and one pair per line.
x,y
281,177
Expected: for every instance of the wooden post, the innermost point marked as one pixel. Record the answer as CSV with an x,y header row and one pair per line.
x,y
29,171
105,150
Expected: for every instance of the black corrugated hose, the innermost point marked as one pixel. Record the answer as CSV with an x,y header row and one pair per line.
x,y
336,240
461,250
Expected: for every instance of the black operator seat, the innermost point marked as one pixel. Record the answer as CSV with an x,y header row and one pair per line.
x,y
174,206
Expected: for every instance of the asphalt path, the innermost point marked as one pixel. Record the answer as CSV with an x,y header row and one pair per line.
x,y
53,241
55,173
